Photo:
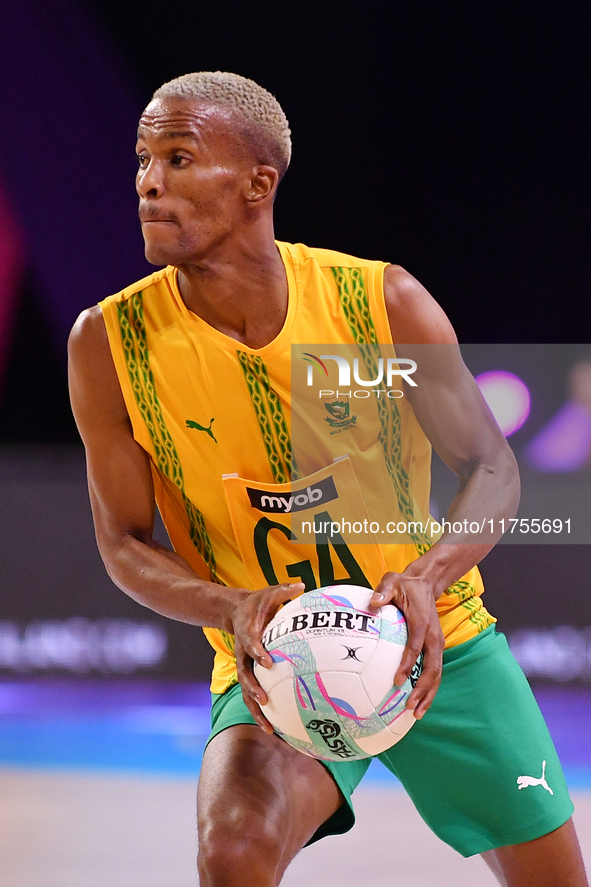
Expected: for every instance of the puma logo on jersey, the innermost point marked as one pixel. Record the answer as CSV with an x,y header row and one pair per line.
x,y
191,424
525,781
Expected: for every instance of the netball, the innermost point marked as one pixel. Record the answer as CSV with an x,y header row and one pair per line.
x,y
331,686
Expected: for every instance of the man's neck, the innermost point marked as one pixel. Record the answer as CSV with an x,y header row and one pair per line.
x,y
242,291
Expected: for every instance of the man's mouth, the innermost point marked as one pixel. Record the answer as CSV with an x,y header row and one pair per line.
x,y
146,217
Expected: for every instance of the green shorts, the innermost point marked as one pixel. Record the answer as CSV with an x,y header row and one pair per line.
x,y
480,766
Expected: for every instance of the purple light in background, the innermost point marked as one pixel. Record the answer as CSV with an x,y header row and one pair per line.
x,y
507,398
76,203
564,443
12,262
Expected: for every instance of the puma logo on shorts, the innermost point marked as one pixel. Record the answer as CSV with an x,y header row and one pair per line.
x,y
526,781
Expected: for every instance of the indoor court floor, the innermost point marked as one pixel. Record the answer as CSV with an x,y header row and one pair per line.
x,y
97,789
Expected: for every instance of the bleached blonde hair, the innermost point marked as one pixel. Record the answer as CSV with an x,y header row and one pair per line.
x,y
258,112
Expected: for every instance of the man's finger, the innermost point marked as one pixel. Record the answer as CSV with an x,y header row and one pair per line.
x,y
281,594
256,712
252,686
252,692
424,693
426,687
417,630
385,590
270,602
411,653
294,589
257,653
246,675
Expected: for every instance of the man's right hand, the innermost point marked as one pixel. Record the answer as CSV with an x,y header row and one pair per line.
x,y
249,620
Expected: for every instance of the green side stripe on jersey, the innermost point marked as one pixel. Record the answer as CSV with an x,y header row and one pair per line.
x,y
137,359
355,304
270,417
462,589
231,683
126,326
229,642
480,618
353,298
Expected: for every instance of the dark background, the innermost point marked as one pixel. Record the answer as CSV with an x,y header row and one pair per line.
x,y
453,138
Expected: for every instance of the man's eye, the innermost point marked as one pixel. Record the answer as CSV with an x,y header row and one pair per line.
x,y
142,161
177,160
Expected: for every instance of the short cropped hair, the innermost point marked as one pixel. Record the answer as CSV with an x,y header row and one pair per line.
x,y
266,128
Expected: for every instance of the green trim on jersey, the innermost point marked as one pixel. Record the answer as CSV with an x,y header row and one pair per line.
x,y
354,302
270,417
229,641
353,298
137,359
478,617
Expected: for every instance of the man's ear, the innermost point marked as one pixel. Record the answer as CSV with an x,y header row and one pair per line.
x,y
262,184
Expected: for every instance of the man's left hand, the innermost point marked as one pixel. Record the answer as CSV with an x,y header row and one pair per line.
x,y
414,596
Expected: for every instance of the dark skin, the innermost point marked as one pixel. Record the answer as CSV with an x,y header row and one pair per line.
x,y
206,207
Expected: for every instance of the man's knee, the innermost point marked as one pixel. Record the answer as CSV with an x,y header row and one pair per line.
x,y
551,860
241,842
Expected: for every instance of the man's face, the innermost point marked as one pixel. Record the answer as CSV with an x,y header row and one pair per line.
x,y
192,178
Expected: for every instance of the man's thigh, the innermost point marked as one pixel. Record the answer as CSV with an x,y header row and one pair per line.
x,y
228,710
258,796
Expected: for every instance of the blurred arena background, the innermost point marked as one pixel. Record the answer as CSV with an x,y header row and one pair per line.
x,y
451,138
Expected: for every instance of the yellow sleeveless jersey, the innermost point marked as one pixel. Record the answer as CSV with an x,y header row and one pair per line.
x,y
215,418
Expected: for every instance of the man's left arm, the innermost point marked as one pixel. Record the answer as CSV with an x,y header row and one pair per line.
x,y
460,426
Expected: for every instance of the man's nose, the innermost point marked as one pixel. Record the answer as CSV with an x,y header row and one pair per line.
x,y
149,181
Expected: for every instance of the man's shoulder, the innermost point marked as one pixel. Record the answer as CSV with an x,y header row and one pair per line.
x,y
152,281
327,258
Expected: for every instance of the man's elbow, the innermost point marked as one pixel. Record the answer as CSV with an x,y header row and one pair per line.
x,y
120,553
502,474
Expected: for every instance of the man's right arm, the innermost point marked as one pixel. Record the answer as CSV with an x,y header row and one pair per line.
x,y
122,495
122,499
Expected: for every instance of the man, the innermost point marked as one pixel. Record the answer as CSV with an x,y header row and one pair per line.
x,y
180,386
